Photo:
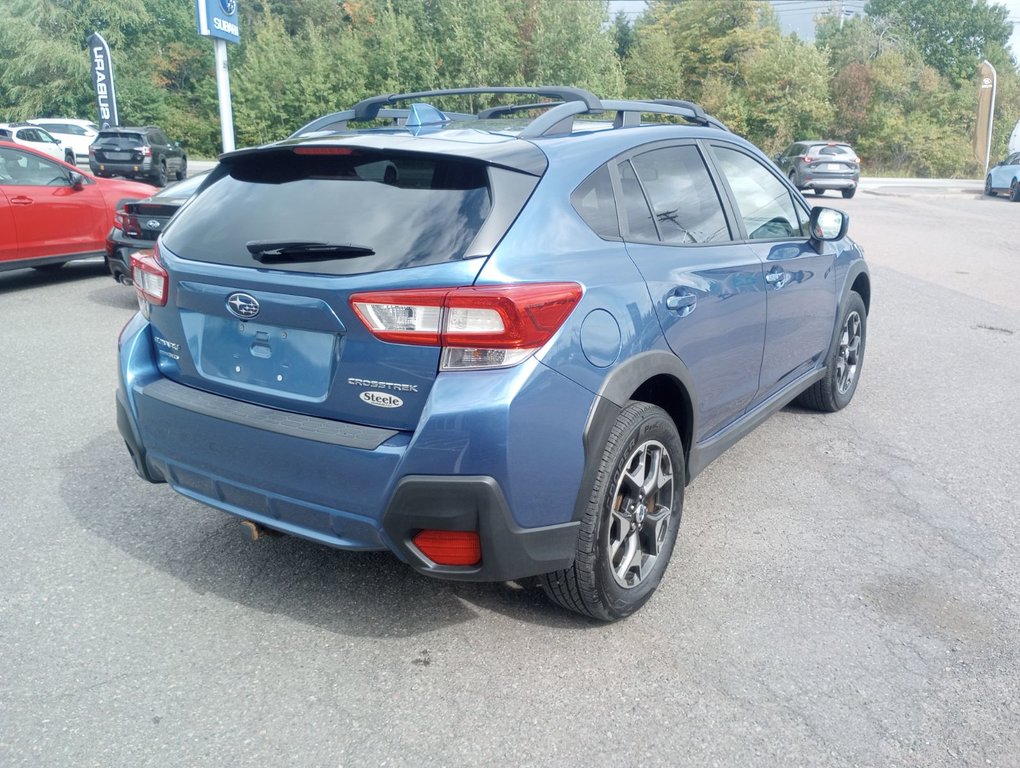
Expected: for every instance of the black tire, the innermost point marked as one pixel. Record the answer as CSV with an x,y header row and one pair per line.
x,y
182,170
848,193
988,187
160,178
617,517
69,157
819,192
843,367
793,178
1014,191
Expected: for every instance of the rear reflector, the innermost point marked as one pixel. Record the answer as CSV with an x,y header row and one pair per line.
x,y
450,547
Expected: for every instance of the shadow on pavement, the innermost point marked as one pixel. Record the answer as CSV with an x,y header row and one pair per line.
x,y
368,594
28,278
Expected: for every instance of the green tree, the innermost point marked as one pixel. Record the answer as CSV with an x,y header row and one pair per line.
x,y
952,35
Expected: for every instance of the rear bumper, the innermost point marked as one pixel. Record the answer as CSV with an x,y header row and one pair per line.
x,y
346,485
821,181
143,168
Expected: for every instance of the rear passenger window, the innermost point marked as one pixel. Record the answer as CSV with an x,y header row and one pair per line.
x,y
595,201
640,226
683,198
763,201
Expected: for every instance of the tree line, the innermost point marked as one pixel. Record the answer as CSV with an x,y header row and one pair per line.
x,y
900,82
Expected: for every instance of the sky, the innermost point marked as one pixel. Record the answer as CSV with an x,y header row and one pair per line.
x,y
798,15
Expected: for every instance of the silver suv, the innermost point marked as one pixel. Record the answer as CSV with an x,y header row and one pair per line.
x,y
821,165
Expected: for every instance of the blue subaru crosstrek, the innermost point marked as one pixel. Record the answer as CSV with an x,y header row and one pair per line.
x,y
498,344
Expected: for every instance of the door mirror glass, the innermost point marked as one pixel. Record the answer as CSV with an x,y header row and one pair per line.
x,y
76,179
828,224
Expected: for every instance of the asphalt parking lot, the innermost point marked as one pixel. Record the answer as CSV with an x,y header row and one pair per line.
x,y
845,588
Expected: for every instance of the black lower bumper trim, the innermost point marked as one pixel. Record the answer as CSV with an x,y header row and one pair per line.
x,y
134,442
474,504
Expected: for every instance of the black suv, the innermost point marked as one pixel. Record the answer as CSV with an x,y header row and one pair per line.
x,y
138,153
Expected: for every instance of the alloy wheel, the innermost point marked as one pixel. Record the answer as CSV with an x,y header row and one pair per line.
x,y
849,353
640,515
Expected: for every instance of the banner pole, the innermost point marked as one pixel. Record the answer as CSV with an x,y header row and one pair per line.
x,y
991,117
223,94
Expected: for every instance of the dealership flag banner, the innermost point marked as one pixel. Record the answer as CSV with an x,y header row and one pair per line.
x,y
986,111
102,79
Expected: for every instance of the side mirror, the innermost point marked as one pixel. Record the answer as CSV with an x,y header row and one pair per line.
x,y
826,225
76,179
177,144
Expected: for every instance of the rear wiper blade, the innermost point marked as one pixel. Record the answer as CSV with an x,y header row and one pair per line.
x,y
277,251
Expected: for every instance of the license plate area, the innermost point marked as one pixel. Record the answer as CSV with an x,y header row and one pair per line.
x,y
118,155
263,357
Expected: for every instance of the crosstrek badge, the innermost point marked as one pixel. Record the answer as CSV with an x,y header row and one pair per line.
x,y
381,399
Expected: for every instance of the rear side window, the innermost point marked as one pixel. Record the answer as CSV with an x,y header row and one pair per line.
x,y
595,202
397,210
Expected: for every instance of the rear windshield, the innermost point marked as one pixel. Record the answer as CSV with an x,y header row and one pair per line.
x,y
119,139
397,210
834,150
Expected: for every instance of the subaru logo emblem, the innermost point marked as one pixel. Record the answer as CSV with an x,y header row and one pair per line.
x,y
229,7
242,305
152,224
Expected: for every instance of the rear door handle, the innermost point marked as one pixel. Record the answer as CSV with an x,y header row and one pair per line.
x,y
21,200
682,302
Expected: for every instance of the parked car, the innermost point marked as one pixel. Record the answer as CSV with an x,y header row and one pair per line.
x,y
1005,177
821,165
73,133
51,213
38,139
499,351
143,152
137,225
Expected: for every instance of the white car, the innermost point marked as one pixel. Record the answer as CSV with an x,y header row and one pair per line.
x,y
74,133
37,138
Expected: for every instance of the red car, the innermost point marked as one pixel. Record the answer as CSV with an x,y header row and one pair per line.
x,y
51,212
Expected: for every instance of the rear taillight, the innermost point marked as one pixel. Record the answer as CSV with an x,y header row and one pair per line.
x,y
477,327
146,151
808,159
92,150
128,224
150,279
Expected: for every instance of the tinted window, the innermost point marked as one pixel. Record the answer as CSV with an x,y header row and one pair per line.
x,y
640,225
832,150
595,201
410,210
683,198
106,139
763,201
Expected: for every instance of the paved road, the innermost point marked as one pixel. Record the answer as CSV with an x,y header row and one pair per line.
x,y
845,590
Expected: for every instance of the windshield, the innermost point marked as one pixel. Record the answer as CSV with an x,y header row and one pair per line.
x,y
403,210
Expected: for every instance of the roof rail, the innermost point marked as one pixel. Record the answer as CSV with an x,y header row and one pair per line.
x,y
558,119
628,114
372,108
